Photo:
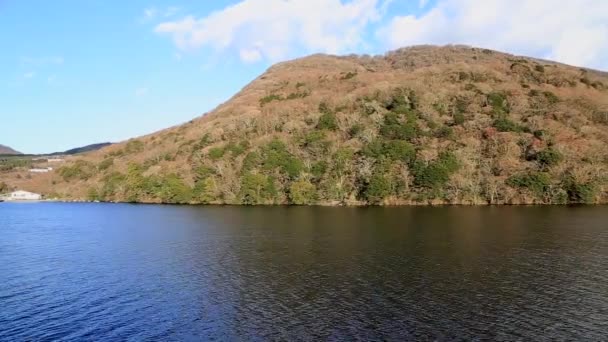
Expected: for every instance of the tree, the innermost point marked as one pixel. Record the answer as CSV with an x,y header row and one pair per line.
x,y
378,189
204,191
549,157
536,182
302,192
256,189
435,174
174,190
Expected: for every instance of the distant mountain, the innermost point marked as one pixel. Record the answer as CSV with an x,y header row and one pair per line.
x,y
88,148
7,150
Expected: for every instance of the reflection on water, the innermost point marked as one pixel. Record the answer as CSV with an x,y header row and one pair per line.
x,y
87,271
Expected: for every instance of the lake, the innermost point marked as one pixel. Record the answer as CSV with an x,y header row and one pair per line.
x,y
164,273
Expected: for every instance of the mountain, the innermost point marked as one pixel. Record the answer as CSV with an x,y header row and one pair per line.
x,y
420,125
5,150
88,148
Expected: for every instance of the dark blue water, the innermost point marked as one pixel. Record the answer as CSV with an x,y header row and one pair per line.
x,y
75,272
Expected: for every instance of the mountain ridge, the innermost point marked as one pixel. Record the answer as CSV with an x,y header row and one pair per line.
x,y
5,150
419,125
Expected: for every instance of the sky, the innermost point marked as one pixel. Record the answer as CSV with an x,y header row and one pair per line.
x,y
77,72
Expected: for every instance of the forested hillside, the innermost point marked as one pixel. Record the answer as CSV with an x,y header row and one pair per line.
x,y
421,125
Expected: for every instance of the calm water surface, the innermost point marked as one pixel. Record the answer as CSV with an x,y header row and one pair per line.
x,y
163,273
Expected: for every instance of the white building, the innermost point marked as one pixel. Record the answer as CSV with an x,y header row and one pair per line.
x,y
21,195
44,170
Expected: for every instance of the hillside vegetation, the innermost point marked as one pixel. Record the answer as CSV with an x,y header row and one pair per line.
x,y
421,125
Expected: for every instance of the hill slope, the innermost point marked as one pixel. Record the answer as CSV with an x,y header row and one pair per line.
x,y
83,149
7,150
419,125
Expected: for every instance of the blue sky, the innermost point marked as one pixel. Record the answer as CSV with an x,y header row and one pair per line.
x,y
79,72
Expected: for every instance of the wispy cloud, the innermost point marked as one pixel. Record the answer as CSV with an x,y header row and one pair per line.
x,y
254,33
29,74
171,11
152,13
575,32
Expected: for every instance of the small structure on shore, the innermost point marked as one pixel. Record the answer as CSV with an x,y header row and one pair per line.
x,y
21,195
41,170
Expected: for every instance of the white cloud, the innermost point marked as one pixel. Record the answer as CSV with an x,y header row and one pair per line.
x,y
573,32
277,29
29,74
143,91
171,11
250,55
152,13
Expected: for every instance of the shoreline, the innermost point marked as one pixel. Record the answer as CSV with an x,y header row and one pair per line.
x,y
318,205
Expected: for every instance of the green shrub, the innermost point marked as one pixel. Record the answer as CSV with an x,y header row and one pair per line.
x,y
313,138
536,182
349,75
549,157
111,184
499,103
202,173
402,101
539,134
342,159
319,169
92,194
462,105
302,192
552,98
579,193
237,149
80,170
105,164
134,146
445,132
459,119
203,142
392,150
204,191
269,98
395,129
328,121
276,156
174,190
216,153
539,68
505,125
256,189
252,160
297,95
355,130
436,174
378,189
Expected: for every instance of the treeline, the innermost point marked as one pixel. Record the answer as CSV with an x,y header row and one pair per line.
x,y
382,149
